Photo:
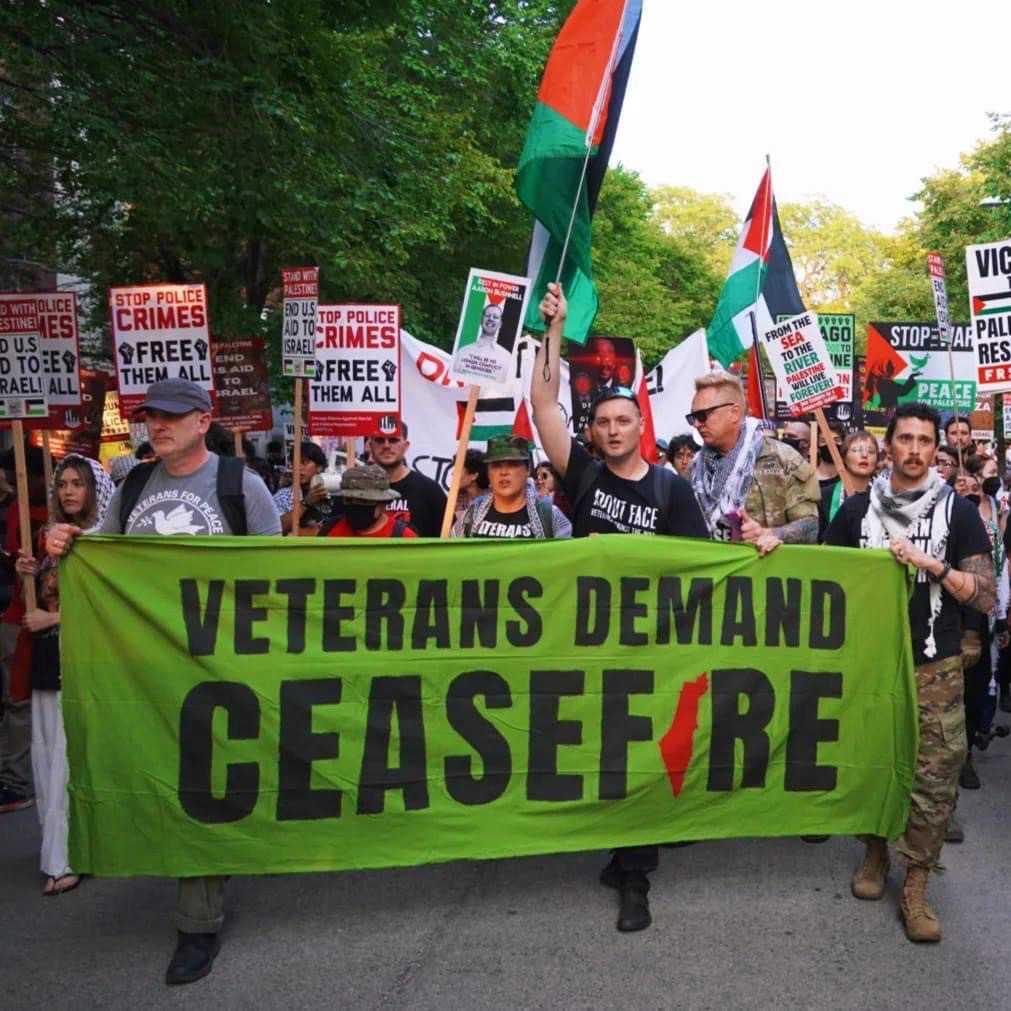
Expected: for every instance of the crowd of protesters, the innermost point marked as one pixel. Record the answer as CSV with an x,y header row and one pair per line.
x,y
940,507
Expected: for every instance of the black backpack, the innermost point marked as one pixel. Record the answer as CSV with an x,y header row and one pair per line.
x,y
229,488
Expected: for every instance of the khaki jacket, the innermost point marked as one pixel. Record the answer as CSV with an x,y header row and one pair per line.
x,y
784,487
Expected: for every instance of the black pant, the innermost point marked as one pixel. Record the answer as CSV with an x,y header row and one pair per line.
x,y
636,859
977,687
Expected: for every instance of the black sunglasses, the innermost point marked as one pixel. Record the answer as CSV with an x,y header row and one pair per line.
x,y
699,417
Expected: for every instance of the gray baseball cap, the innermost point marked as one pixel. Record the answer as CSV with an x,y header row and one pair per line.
x,y
366,482
175,396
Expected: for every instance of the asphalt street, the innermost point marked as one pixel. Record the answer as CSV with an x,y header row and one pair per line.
x,y
737,924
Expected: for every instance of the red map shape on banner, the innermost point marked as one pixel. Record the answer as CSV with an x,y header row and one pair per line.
x,y
882,360
677,745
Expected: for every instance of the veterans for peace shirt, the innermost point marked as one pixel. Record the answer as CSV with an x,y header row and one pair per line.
x,y
656,504
496,524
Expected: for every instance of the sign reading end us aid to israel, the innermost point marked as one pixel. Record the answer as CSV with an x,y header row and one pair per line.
x,y
801,362
988,270
22,380
300,294
357,380
160,332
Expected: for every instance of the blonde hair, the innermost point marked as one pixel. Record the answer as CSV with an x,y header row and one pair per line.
x,y
718,379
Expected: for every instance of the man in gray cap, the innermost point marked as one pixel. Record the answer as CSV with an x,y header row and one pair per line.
x,y
365,490
189,490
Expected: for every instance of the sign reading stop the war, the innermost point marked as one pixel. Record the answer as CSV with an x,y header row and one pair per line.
x,y
22,380
240,377
160,332
988,270
300,294
357,369
802,364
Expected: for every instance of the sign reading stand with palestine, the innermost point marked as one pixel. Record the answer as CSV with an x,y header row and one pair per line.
x,y
159,332
300,294
490,324
802,365
22,380
988,269
357,379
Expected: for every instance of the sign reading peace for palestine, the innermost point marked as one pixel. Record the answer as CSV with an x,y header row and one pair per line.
x,y
431,701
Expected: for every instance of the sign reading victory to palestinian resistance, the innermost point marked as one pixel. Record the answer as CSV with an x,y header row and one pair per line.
x,y
357,374
908,362
988,269
242,384
22,380
160,331
837,331
491,320
263,707
300,297
802,365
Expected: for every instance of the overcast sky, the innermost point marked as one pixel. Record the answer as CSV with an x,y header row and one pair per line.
x,y
853,101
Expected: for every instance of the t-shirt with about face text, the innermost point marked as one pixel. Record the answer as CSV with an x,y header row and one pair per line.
x,y
188,504
617,505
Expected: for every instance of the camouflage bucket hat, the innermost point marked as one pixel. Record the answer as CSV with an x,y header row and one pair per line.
x,y
366,483
507,447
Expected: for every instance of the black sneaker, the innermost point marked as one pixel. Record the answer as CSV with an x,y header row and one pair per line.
x,y
193,959
10,800
968,777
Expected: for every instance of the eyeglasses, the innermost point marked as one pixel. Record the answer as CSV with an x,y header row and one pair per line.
x,y
699,417
382,440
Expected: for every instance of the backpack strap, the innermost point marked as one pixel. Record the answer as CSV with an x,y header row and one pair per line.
x,y
663,488
230,494
130,490
586,482
399,526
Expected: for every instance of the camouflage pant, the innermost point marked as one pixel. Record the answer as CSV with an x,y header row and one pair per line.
x,y
942,751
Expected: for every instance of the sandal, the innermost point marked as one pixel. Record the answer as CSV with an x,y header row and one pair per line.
x,y
61,885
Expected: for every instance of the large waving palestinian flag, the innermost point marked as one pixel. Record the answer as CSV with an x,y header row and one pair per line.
x,y
577,109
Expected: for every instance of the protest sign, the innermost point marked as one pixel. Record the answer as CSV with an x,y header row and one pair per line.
x,y
801,362
600,364
115,436
988,270
242,385
491,321
160,331
837,331
981,418
249,714
907,362
22,380
938,285
357,377
81,426
300,297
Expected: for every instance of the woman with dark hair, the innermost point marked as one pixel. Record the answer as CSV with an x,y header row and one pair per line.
x,y
548,483
80,493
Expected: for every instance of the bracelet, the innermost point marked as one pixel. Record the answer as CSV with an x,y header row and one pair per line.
x,y
944,573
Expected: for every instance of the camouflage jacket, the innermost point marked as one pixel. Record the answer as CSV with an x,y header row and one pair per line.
x,y
784,486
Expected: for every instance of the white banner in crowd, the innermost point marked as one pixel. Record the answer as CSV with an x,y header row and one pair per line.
x,y
671,385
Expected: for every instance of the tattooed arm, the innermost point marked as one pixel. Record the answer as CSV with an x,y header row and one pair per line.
x,y
971,584
802,531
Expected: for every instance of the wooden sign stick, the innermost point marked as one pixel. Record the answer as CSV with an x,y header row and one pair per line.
x,y
24,517
296,463
461,452
844,475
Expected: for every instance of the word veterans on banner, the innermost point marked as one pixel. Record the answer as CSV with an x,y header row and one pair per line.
x,y
300,294
988,268
242,384
357,380
366,704
22,380
802,365
160,331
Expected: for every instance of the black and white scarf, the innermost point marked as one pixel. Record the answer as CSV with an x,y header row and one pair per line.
x,y
721,483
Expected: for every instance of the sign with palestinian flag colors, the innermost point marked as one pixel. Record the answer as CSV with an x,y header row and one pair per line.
x,y
491,320
567,148
299,300
837,330
368,703
988,269
22,380
907,362
356,379
801,362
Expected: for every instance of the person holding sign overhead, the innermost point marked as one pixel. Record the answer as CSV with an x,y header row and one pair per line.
x,y
618,493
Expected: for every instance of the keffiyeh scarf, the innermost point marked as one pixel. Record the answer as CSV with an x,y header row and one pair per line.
x,y
721,483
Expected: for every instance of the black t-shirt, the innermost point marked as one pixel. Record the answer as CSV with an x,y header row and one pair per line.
x,y
966,537
827,486
496,524
45,669
420,503
616,505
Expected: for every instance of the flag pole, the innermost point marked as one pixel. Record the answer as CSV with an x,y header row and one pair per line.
x,y
766,222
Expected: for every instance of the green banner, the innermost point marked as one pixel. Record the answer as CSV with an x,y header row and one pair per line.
x,y
250,705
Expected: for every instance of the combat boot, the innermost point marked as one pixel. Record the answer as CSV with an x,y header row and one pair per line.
x,y
869,879
918,918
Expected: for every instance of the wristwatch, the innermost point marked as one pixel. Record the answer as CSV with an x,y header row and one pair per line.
x,y
943,573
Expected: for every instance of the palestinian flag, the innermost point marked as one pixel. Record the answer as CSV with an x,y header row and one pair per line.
x,y
493,416
994,304
761,280
576,115
882,362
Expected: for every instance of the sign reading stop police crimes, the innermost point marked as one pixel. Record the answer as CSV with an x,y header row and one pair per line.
x,y
160,332
22,380
300,293
357,379
802,364
988,269
240,377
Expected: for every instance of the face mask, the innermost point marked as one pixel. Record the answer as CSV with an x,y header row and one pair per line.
x,y
360,514
991,485
974,499
792,443
824,454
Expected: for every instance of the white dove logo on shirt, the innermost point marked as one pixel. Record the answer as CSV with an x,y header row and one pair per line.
x,y
178,521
